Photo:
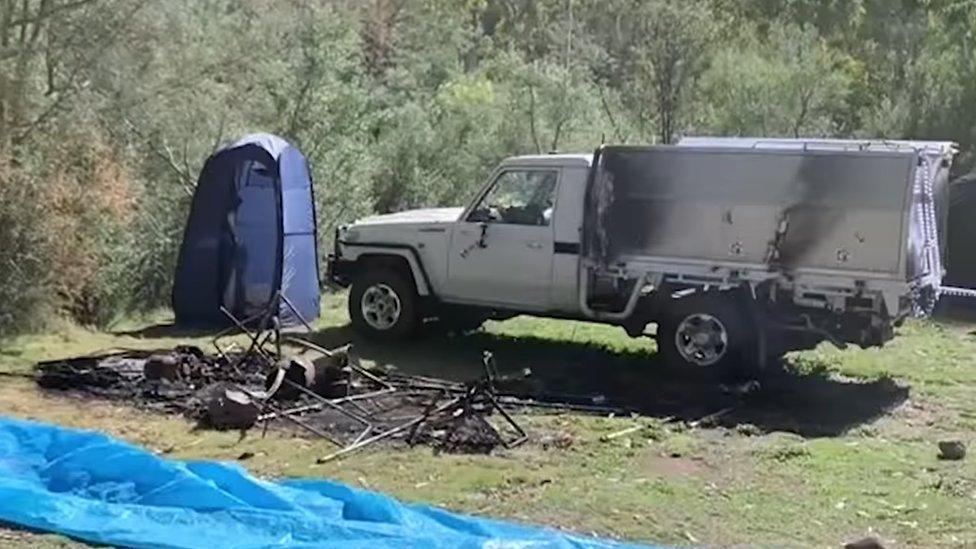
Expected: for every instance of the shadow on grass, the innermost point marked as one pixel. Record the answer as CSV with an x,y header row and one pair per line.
x,y
813,403
170,331
961,310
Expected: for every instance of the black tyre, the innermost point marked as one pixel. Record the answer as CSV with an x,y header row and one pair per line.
x,y
383,304
708,333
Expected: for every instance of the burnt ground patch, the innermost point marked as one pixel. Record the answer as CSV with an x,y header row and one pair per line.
x,y
241,390
814,402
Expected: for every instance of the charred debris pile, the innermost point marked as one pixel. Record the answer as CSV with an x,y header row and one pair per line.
x,y
293,383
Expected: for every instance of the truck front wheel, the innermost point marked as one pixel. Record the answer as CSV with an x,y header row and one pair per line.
x,y
383,305
707,333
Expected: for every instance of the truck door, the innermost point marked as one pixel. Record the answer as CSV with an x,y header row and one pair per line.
x,y
501,252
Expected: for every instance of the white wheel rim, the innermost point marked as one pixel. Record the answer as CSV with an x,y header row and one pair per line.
x,y
701,339
380,306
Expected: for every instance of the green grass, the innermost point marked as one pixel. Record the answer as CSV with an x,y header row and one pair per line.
x,y
669,483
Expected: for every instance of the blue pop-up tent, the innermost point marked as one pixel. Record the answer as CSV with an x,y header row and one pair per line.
x,y
251,233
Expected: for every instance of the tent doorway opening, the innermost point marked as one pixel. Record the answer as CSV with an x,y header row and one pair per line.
x,y
251,237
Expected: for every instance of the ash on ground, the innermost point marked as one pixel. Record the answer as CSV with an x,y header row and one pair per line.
x,y
328,397
177,381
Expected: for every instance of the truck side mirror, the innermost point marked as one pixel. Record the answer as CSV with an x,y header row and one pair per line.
x,y
484,215
480,215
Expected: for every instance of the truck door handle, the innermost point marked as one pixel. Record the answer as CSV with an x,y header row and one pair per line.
x,y
534,245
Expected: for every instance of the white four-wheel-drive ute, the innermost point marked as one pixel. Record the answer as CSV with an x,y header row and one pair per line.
x,y
737,249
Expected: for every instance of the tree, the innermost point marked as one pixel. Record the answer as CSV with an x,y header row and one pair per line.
x,y
406,103
655,52
47,50
792,84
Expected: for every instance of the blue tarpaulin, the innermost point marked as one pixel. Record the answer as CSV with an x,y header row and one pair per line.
x,y
92,487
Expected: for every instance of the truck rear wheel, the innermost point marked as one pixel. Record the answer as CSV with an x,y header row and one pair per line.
x,y
707,333
383,305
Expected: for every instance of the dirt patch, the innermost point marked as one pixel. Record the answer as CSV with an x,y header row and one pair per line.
x,y
13,535
918,413
671,467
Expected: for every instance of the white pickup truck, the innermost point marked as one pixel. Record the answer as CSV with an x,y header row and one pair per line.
x,y
738,249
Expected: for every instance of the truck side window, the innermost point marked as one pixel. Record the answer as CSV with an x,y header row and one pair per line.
x,y
519,197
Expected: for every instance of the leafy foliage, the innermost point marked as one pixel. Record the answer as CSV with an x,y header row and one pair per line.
x,y
789,84
108,109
